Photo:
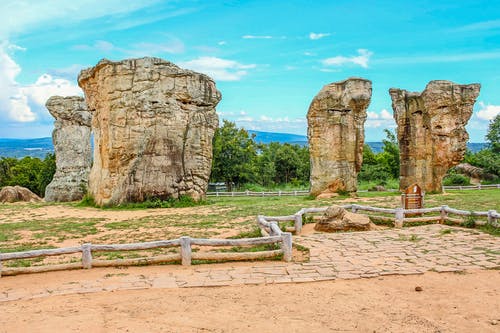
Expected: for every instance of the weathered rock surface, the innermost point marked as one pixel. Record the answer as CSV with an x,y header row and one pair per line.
x,y
431,130
17,193
153,125
71,138
336,134
337,218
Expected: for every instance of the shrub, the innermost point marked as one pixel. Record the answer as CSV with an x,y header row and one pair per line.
x,y
456,179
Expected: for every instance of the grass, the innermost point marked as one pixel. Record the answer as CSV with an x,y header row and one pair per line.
x,y
219,216
182,202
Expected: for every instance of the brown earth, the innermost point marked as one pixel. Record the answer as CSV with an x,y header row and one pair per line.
x,y
448,302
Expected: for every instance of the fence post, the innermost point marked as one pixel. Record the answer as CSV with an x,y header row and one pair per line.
x,y
491,218
479,186
399,217
294,193
444,214
298,223
86,256
185,250
279,193
354,208
287,246
217,194
0,268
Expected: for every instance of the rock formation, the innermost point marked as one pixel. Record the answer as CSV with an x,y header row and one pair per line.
x,y
71,138
18,193
336,135
431,130
153,125
337,218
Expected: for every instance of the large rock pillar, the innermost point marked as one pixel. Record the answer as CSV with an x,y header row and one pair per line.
x,y
153,125
71,138
336,135
431,130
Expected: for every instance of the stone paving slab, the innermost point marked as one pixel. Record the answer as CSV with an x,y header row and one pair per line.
x,y
351,255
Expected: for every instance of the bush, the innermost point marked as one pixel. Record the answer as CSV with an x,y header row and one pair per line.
x,y
456,179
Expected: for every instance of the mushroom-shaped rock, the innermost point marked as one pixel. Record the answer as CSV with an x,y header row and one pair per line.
x,y
153,125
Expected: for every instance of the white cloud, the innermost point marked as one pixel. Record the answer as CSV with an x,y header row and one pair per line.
x,y
218,69
256,37
487,112
361,59
315,36
383,119
309,54
99,45
26,103
222,42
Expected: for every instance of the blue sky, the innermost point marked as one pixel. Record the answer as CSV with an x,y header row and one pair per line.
x,y
269,58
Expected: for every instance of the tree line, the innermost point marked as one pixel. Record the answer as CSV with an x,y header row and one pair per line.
x,y
242,163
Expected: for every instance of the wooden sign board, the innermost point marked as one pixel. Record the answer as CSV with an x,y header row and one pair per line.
x,y
413,197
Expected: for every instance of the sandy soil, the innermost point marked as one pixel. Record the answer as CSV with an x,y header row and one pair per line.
x,y
448,303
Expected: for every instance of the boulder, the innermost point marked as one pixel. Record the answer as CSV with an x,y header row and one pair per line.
x,y
71,138
335,132
17,193
337,218
431,130
153,125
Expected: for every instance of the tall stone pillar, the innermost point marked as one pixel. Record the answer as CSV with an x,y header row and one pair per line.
x,y
71,138
336,135
431,130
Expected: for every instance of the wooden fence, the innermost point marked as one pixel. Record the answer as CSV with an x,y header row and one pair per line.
x,y
400,216
258,194
306,192
185,256
471,187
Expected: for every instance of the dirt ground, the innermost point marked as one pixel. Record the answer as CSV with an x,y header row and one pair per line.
x,y
466,302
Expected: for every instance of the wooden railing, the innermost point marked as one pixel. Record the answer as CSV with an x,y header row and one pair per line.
x,y
185,256
306,192
471,187
258,194
400,216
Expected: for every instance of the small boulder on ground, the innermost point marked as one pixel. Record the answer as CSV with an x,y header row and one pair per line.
x,y
18,193
336,218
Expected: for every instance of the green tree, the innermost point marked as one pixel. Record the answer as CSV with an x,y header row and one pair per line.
x,y
493,135
234,155
390,154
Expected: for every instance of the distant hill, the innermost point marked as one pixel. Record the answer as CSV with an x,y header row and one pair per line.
x,y
40,147
26,147
267,137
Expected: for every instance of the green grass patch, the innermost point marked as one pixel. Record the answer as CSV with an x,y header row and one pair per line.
x,y
182,202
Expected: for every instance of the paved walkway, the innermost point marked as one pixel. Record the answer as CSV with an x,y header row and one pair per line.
x,y
332,256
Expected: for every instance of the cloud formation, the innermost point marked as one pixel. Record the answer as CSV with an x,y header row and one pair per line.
x,y
487,112
384,119
26,103
361,59
316,36
218,69
256,37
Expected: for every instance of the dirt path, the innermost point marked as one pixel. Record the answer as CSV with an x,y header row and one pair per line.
x,y
449,302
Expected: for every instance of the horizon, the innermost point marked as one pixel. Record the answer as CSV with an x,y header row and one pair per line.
x,y
268,59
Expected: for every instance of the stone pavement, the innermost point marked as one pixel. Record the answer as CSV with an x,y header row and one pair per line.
x,y
332,256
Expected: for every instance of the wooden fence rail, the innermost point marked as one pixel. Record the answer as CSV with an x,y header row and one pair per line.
x,y
185,256
400,216
306,192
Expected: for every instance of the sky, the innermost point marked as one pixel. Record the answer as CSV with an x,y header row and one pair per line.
x,y
268,58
